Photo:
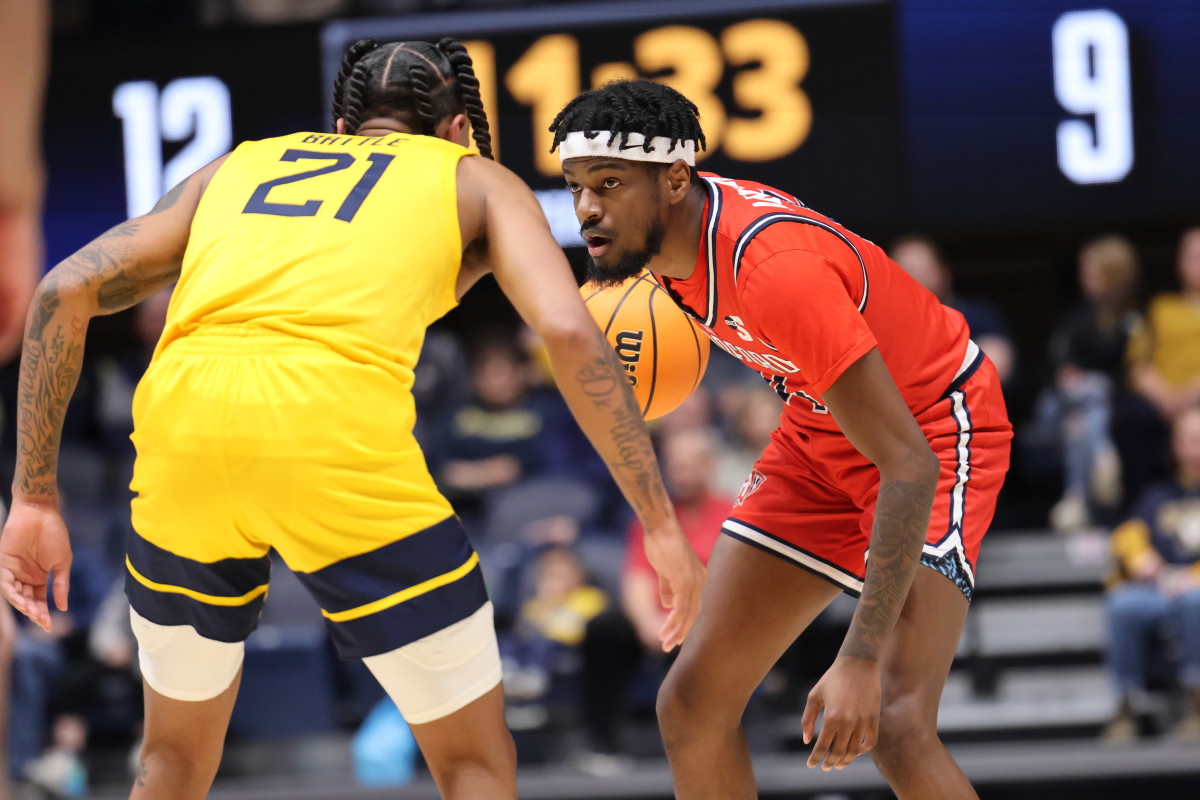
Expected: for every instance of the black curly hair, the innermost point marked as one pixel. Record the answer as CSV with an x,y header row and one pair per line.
x,y
625,107
417,83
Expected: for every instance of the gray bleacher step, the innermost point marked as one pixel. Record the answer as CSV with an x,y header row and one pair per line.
x,y
1025,700
1028,699
1043,561
1035,626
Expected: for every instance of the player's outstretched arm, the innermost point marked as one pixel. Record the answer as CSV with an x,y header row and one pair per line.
x,y
871,412
532,271
118,269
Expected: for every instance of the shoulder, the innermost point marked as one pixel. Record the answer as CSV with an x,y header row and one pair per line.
x,y
1154,496
476,173
1164,303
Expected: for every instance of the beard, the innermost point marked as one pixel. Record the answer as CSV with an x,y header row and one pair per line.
x,y
631,263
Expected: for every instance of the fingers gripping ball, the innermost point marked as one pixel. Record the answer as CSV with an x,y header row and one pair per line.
x,y
662,350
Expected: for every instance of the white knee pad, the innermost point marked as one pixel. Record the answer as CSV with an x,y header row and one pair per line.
x,y
181,664
438,675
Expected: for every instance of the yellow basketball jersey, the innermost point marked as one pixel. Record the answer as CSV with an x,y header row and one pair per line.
x,y
351,242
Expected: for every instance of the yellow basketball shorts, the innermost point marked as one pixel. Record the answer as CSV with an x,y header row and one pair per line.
x,y
247,443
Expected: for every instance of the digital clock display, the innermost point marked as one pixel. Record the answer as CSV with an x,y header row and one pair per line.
x,y
785,89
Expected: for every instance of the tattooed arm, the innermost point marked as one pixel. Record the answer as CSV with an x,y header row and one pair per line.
x,y
120,268
870,411
532,271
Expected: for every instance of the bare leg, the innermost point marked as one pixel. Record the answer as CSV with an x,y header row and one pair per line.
x,y
470,752
755,605
914,666
183,744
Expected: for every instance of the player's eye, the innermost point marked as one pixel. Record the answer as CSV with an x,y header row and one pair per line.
x,y
611,183
574,187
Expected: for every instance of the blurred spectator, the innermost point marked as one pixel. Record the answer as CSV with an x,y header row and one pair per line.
x,y
439,392
1087,360
551,624
493,440
276,12
621,640
47,684
1155,601
696,412
566,451
1164,373
752,418
919,256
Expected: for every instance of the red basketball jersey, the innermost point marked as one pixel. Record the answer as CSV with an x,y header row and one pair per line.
x,y
799,298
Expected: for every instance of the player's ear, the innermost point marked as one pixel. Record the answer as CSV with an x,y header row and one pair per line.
x,y
340,126
679,179
454,129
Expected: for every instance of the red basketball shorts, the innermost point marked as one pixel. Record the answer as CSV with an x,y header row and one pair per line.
x,y
811,497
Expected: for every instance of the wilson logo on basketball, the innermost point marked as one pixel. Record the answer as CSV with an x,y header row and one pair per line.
x,y
660,350
629,350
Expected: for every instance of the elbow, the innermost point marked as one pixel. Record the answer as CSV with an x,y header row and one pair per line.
x,y
59,287
916,465
574,331
926,466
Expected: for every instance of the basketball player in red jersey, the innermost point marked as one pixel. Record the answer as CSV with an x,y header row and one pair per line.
x,y
893,444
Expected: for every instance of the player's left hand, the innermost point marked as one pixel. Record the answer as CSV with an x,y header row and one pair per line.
x,y
850,694
34,544
680,581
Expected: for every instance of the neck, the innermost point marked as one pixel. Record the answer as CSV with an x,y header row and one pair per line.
x,y
381,126
681,245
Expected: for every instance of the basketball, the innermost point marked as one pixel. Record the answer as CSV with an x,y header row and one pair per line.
x,y
663,352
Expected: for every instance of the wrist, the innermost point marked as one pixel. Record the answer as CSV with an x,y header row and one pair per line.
x,y
863,660
660,523
43,497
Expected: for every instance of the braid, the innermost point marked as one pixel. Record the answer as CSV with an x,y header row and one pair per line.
x,y
625,107
422,90
355,52
354,96
468,84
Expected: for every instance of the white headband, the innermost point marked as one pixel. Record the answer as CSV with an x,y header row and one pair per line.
x,y
579,145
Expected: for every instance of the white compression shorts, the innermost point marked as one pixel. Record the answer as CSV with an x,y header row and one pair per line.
x,y
428,679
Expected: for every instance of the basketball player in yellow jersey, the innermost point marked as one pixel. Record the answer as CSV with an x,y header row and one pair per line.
x,y
277,413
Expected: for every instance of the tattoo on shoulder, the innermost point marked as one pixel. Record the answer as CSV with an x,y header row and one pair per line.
x,y
142,772
170,198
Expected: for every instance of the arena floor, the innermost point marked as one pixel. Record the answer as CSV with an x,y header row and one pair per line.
x,y
1062,770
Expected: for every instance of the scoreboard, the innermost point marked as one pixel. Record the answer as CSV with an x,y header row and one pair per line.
x,y
785,89
988,117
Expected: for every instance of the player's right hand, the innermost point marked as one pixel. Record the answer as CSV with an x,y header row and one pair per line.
x,y
34,544
849,693
680,580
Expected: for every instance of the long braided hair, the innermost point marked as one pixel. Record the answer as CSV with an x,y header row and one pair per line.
x,y
625,107
416,83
